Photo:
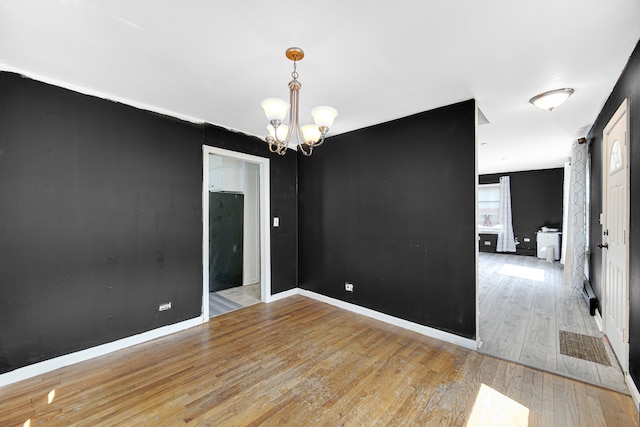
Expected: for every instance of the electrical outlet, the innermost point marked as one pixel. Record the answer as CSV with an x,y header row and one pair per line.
x,y
348,287
527,240
165,306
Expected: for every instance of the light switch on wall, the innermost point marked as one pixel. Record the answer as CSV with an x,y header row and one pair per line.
x,y
276,221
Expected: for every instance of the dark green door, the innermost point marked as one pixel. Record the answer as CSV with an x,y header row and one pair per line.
x,y
226,217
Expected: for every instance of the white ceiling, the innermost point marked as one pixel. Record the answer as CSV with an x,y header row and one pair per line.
x,y
214,61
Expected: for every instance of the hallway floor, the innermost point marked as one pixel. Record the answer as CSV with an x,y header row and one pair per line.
x,y
523,306
231,299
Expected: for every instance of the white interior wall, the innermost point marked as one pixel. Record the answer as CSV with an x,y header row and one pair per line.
x,y
251,236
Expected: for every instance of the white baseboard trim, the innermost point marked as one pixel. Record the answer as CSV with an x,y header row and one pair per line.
x,y
281,295
631,385
83,355
633,390
415,327
598,318
45,366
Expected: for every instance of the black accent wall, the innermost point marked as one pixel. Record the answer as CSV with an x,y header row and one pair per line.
x,y
101,219
628,86
391,208
536,201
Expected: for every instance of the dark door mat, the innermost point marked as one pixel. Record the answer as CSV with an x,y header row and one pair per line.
x,y
584,347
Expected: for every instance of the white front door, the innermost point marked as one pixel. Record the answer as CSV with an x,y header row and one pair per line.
x,y
616,234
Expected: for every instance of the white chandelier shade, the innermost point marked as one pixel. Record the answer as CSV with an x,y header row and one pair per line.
x,y
311,133
324,116
275,108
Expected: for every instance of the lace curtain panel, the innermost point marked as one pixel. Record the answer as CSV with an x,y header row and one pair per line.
x,y
506,239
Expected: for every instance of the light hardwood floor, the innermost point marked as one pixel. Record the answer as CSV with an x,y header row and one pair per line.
x,y
300,362
520,318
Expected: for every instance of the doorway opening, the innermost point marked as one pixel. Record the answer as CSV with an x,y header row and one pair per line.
x,y
236,233
525,307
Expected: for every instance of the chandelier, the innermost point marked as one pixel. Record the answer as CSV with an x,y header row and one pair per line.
x,y
280,134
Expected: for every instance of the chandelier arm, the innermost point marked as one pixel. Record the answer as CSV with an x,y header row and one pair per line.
x,y
294,96
300,136
319,142
276,124
306,153
271,144
280,148
293,113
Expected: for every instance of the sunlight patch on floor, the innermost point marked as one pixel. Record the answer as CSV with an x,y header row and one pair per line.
x,y
536,274
492,408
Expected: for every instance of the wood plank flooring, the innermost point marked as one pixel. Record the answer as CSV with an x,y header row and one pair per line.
x,y
520,318
301,362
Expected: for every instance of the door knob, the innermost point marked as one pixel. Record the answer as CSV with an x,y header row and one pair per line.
x,y
603,245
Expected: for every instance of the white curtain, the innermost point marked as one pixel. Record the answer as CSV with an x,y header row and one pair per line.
x,y
506,240
575,235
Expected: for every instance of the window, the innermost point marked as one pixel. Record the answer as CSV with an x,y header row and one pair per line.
x,y
615,159
489,208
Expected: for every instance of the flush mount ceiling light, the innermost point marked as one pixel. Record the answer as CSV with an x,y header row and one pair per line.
x,y
308,136
553,98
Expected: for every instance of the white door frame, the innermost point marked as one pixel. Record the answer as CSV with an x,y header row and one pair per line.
x,y
622,110
265,229
477,236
